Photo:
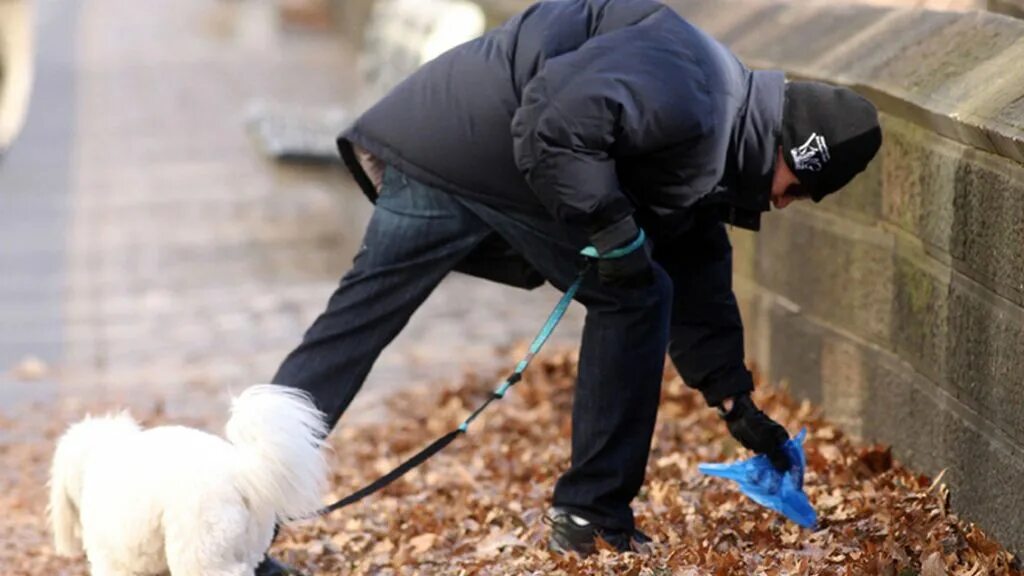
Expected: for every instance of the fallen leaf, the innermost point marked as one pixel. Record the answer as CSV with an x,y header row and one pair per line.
x,y
933,565
494,543
422,543
877,459
383,547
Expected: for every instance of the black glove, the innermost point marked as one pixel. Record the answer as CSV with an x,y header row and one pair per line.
x,y
630,271
756,431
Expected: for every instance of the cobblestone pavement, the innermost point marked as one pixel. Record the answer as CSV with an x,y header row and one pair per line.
x,y
188,265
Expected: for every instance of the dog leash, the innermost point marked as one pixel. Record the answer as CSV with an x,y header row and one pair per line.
x,y
591,254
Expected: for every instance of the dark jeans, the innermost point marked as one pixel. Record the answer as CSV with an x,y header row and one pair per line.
x,y
416,235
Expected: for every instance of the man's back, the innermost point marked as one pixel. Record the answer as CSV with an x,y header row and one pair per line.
x,y
451,123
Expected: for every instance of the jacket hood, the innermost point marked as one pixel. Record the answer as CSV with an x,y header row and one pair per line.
x,y
755,139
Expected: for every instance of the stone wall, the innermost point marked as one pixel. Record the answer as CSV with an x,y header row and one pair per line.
x,y
898,305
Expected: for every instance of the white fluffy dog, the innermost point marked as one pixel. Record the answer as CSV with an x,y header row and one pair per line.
x,y
174,499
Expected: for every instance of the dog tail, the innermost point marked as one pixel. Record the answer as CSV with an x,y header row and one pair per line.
x,y
67,470
279,434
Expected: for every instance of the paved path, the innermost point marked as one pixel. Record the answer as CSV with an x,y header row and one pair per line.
x,y
34,198
167,259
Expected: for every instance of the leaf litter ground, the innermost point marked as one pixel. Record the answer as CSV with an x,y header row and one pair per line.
x,y
476,508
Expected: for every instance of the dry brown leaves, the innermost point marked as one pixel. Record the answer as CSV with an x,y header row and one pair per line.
x,y
476,507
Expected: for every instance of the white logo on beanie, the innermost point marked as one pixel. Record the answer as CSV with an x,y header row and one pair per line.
x,y
811,155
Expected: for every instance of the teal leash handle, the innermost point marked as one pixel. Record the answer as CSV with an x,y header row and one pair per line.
x,y
636,244
517,374
538,342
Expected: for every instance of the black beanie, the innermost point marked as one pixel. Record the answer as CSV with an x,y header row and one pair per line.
x,y
829,134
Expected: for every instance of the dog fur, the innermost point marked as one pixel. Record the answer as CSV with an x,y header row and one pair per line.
x,y
179,500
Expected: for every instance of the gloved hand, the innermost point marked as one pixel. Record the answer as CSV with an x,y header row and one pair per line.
x,y
630,271
756,431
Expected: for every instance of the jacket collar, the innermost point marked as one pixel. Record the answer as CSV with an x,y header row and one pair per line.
x,y
752,149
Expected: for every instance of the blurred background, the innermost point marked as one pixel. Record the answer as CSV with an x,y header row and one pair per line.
x,y
173,215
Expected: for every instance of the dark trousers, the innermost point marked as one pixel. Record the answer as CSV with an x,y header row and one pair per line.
x,y
416,235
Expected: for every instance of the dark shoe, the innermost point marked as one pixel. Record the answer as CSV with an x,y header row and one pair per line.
x,y
571,533
271,567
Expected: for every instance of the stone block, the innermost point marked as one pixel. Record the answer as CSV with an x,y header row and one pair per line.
x,y
777,343
902,415
918,181
948,52
799,38
986,90
920,311
985,337
863,52
796,347
988,227
836,270
843,376
861,199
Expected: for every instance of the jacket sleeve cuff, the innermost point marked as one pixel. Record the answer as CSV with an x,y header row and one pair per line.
x,y
731,383
615,235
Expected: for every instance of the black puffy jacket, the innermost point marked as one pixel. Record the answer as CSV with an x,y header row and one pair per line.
x,y
590,110
606,114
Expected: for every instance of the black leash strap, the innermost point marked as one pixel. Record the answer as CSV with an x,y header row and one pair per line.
x,y
420,457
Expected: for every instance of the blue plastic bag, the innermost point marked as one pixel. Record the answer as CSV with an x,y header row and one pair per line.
x,y
762,483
